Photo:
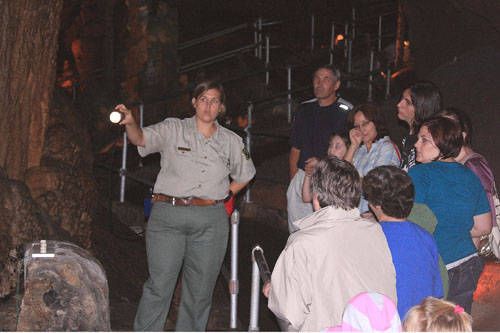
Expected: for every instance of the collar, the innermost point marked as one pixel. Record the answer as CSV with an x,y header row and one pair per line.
x,y
375,144
335,103
328,214
192,126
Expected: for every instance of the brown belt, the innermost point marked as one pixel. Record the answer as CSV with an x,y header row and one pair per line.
x,y
189,201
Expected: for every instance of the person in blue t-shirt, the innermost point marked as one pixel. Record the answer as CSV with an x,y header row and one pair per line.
x,y
455,195
390,192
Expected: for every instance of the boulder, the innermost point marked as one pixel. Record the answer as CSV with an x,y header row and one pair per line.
x,y
68,292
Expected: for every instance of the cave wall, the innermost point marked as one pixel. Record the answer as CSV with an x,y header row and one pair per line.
x,y
441,30
456,44
28,48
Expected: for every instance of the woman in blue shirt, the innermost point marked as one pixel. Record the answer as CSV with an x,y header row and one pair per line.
x,y
455,195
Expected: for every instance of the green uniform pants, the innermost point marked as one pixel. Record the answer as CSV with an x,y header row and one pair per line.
x,y
193,238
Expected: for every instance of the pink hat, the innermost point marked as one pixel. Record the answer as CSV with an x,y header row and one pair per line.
x,y
369,312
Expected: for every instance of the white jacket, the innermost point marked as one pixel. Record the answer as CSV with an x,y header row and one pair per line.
x,y
334,256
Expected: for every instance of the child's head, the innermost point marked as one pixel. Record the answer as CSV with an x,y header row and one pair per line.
x,y
436,315
391,189
369,312
337,145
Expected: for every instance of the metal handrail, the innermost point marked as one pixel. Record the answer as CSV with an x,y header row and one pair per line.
x,y
282,93
210,60
211,36
299,18
128,174
236,78
372,17
226,55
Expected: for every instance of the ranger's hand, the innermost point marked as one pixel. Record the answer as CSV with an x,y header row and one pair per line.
x,y
128,117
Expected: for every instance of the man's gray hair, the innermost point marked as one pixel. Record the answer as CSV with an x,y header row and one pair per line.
x,y
336,183
332,68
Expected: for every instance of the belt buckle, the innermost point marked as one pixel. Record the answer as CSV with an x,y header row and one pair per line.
x,y
187,200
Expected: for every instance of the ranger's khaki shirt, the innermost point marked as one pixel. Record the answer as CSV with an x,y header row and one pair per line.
x,y
192,165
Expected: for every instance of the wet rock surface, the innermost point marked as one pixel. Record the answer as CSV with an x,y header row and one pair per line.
x,y
63,184
68,292
21,221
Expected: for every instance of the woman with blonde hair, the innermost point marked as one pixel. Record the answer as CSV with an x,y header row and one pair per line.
x,y
436,315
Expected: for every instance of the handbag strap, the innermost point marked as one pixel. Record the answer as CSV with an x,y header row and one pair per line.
x,y
395,148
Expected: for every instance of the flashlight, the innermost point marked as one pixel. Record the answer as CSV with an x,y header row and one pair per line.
x,y
116,116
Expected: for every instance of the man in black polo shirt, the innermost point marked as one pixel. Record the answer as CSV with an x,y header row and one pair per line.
x,y
315,122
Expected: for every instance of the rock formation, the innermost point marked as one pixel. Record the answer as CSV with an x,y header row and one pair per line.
x,y
28,47
63,183
66,293
20,222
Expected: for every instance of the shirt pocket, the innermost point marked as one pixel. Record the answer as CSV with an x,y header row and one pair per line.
x,y
184,159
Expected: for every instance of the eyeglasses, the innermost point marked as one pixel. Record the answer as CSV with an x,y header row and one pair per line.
x,y
363,124
211,102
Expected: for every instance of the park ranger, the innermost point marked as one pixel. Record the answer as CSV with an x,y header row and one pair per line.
x,y
188,226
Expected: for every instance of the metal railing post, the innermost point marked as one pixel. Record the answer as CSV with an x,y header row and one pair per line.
x,y
254,297
141,125
234,282
379,33
370,78
141,115
349,59
346,32
260,38
332,43
289,87
255,39
259,269
312,32
248,141
264,271
388,83
123,170
267,59
353,23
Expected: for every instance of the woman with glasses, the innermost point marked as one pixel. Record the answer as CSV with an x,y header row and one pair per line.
x,y
456,196
371,145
